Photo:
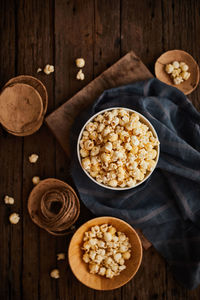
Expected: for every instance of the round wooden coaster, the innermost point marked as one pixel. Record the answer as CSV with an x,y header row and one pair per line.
x,y
20,107
36,84
55,193
181,56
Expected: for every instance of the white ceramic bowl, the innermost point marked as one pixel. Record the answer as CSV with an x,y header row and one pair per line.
x,y
145,121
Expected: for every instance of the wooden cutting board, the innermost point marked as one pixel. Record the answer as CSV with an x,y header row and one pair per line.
x,y
126,70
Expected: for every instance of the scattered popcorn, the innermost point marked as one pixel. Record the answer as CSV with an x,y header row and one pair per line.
x,y
39,70
55,274
33,158
80,75
9,200
14,218
80,62
60,256
178,71
35,180
117,155
106,254
48,69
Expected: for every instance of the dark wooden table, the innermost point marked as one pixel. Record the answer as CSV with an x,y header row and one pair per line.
x,y
37,32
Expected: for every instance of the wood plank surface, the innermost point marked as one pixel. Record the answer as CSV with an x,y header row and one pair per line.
x,y
144,35
34,33
11,169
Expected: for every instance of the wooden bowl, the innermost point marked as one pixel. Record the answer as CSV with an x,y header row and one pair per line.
x,y
178,55
81,269
21,107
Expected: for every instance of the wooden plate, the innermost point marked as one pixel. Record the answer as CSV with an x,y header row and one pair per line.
x,y
80,268
21,107
36,84
178,55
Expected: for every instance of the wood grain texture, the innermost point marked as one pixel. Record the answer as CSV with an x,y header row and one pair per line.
x,y
35,49
11,169
34,33
141,30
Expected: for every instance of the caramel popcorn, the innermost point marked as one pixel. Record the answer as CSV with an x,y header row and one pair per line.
x,y
105,250
117,149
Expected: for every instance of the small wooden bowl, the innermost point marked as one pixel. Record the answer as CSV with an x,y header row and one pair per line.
x,y
21,107
81,269
168,57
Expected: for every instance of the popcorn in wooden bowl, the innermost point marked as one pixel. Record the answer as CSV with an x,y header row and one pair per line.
x,y
105,250
118,148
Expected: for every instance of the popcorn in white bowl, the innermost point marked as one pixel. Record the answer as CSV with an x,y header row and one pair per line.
x,y
118,148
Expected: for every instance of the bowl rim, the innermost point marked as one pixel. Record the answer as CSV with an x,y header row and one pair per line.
x,y
78,149
101,219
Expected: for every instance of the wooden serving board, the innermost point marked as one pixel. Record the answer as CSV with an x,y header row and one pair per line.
x,y
126,70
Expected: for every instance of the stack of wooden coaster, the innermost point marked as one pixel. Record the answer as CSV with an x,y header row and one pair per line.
x,y
23,104
54,206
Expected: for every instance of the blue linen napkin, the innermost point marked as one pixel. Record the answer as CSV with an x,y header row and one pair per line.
x,y
167,206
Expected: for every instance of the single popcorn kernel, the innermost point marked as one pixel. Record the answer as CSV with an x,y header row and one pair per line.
x,y
48,69
61,256
178,80
169,68
176,64
36,180
39,70
80,75
9,200
33,158
126,255
14,218
185,75
80,62
183,66
55,274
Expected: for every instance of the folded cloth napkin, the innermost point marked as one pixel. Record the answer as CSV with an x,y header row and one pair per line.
x,y
167,206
